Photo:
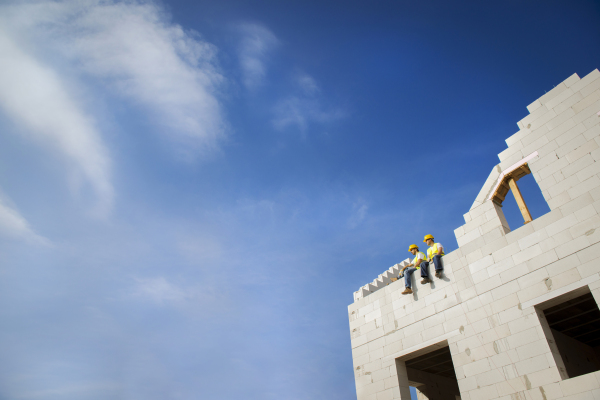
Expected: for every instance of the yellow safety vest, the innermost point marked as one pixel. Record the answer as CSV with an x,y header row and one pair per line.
x,y
432,251
414,263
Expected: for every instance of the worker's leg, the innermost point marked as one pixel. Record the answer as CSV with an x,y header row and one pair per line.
x,y
424,269
424,272
408,276
439,266
437,261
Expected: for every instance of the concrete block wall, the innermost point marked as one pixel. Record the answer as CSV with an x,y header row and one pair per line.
x,y
486,306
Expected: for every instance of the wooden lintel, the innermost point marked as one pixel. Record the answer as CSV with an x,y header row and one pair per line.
x,y
520,172
520,201
499,198
504,186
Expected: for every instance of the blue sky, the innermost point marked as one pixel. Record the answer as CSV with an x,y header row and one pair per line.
x,y
190,192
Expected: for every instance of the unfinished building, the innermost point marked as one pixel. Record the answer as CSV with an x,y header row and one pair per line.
x,y
516,314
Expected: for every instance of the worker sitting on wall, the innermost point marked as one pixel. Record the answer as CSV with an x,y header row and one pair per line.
x,y
417,263
434,254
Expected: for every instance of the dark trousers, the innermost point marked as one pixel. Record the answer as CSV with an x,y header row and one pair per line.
x,y
437,261
409,271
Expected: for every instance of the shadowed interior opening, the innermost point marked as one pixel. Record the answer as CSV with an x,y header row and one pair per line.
x,y
575,325
433,375
438,362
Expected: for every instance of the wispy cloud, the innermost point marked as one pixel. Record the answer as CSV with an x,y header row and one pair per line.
x,y
303,107
160,290
153,62
52,52
256,43
359,212
307,84
13,225
37,100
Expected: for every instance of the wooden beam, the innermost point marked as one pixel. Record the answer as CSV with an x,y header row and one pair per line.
x,y
502,188
520,172
520,201
500,196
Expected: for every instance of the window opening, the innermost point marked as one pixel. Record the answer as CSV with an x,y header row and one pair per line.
x,y
509,182
574,326
527,188
519,199
433,375
536,203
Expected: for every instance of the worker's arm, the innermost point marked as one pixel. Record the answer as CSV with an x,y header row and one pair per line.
x,y
402,270
400,273
440,250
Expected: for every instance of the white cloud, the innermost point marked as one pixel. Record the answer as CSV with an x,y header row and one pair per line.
x,y
359,212
255,45
307,83
299,111
49,49
303,107
13,225
160,291
154,63
36,98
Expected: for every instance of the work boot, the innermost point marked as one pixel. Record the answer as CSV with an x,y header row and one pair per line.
x,y
407,291
438,274
425,280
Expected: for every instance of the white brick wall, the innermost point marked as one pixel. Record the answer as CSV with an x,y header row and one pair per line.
x,y
484,308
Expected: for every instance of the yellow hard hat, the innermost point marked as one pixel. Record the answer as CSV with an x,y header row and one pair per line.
x,y
427,237
412,246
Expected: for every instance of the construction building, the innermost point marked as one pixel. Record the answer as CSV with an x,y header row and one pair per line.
x,y
516,314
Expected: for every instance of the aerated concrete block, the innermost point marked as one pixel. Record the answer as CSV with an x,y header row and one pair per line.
x,y
570,81
590,111
558,200
586,80
561,118
591,88
565,94
516,147
588,100
534,136
536,114
557,90
568,103
587,148
570,140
